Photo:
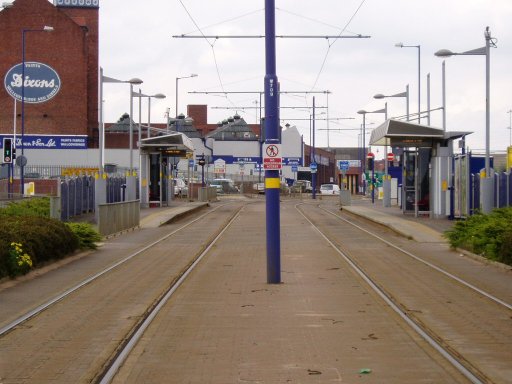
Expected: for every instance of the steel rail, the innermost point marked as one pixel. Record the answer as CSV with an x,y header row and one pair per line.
x,y
433,266
471,376
28,315
122,354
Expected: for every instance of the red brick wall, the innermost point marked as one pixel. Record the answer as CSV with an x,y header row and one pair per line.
x,y
48,187
71,50
199,113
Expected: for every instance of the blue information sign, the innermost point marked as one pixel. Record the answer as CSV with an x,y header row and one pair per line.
x,y
344,165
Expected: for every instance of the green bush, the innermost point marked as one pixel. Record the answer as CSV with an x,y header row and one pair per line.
x,y
43,239
87,235
28,207
487,235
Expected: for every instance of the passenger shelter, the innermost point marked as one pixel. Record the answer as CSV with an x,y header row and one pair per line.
x,y
426,164
159,156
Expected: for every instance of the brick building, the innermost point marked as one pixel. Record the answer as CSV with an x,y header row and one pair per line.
x,y
70,50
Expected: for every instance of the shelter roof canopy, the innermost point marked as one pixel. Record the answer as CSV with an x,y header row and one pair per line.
x,y
406,134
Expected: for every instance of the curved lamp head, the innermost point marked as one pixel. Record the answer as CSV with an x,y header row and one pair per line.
x,y
135,81
159,96
444,53
399,45
362,112
379,96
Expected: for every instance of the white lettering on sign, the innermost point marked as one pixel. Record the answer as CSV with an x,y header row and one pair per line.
x,y
272,158
29,83
271,88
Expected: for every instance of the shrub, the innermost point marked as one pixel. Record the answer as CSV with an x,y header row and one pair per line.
x,y
87,235
487,235
28,207
42,238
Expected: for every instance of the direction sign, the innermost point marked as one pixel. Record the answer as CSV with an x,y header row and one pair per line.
x,y
313,167
344,165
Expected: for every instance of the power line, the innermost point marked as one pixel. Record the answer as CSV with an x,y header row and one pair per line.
x,y
327,37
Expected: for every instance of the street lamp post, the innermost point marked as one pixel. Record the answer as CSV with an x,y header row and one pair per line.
x,y
487,185
149,97
23,160
178,78
401,94
510,127
101,139
401,45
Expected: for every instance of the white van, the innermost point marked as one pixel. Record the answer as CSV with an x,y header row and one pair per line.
x,y
329,189
180,187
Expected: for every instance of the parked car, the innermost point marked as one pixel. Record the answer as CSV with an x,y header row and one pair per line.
x,y
228,185
329,189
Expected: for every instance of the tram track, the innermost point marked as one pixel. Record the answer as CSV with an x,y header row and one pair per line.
x,y
37,310
129,343
423,261
67,322
432,333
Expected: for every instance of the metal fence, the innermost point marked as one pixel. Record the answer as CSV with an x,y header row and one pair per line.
x,y
502,191
76,196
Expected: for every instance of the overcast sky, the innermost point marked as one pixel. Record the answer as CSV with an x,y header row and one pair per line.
x,y
136,41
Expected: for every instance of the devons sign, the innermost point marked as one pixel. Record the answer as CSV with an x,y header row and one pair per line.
x,y
41,82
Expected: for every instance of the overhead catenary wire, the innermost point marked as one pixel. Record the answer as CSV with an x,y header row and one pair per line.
x,y
331,44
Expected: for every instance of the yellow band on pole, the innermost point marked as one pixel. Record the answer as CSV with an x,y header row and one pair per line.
x,y
272,183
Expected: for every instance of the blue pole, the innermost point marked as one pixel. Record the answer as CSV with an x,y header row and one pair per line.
x,y
373,180
22,167
272,181
313,173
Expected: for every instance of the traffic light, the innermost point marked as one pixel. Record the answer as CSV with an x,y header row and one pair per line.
x,y
370,160
7,150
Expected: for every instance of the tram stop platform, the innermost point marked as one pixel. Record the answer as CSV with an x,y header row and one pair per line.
x,y
421,229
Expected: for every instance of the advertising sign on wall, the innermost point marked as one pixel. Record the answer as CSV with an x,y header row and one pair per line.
x,y
41,83
50,141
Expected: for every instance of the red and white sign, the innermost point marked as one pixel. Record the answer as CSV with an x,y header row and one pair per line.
x,y
272,156
272,163
390,157
370,155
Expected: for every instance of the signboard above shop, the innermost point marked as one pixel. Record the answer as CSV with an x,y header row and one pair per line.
x,y
41,83
50,141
